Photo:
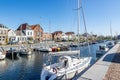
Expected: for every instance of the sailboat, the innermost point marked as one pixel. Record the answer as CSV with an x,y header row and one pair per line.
x,y
44,47
67,67
23,50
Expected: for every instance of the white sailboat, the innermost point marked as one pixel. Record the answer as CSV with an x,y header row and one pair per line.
x,y
67,67
23,50
43,48
46,47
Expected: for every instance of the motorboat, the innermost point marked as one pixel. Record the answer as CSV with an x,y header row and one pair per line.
x,y
25,51
43,49
102,49
2,55
12,53
66,68
73,45
110,44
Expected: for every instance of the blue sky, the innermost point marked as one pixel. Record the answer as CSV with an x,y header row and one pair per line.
x,y
61,14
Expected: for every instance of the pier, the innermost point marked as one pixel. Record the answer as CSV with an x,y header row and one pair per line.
x,y
107,67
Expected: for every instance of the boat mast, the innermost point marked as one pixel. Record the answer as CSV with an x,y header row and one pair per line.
x,y
110,30
86,40
78,28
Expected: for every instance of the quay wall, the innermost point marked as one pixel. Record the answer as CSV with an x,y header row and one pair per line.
x,y
98,70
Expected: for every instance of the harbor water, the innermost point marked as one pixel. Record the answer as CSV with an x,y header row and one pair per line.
x,y
30,67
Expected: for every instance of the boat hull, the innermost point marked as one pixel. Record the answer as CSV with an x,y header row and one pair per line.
x,y
70,75
2,57
66,74
25,53
12,55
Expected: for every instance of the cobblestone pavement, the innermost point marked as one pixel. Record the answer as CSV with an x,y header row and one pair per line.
x,y
113,72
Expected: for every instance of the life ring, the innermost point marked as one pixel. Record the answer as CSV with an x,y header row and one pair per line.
x,y
55,70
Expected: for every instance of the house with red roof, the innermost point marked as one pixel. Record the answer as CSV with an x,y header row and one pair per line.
x,y
38,32
24,33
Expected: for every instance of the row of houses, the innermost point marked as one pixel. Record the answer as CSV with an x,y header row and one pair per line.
x,y
31,33
61,36
24,32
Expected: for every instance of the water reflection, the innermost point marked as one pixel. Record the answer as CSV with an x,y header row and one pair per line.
x,y
30,67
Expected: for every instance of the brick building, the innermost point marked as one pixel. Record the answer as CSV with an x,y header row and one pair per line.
x,y
57,35
47,36
38,32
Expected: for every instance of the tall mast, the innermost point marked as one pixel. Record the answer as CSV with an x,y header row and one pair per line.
x,y
78,28
85,30
110,30
50,30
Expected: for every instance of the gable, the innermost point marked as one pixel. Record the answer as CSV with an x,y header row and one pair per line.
x,y
11,33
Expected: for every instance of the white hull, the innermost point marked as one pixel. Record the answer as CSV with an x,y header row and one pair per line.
x,y
100,52
43,49
68,72
71,74
66,52
2,56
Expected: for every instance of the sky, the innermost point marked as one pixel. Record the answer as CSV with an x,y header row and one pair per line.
x,y
61,15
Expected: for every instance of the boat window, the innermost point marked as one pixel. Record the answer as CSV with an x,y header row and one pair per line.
x,y
65,63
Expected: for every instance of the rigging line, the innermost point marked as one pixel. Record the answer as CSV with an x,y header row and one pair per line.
x,y
85,30
84,19
78,28
73,25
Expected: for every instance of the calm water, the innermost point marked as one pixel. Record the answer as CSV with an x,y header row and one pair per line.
x,y
29,67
